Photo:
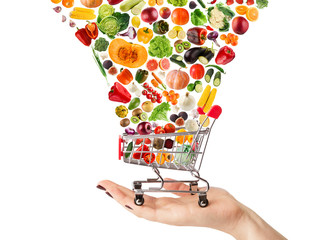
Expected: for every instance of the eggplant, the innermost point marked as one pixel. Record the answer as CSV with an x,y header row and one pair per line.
x,y
207,56
191,56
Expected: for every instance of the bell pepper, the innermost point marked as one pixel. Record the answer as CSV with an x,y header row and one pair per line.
x,y
149,158
230,2
141,75
82,36
118,93
197,35
92,30
140,152
125,77
160,27
250,2
145,35
225,55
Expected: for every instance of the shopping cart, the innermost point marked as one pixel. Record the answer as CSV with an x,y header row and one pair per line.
x,y
178,151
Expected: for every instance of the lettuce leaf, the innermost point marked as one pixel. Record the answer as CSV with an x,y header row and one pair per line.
x,y
198,18
160,47
160,112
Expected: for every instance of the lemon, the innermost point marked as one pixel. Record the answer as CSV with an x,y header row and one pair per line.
x,y
136,22
181,34
172,34
202,119
178,28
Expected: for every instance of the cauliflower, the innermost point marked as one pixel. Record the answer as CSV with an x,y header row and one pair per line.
x,y
217,18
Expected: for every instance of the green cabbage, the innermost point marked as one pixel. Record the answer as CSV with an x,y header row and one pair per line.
x,y
109,25
178,3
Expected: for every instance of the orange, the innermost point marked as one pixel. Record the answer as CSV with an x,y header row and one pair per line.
x,y
241,10
223,36
159,2
56,1
252,14
152,2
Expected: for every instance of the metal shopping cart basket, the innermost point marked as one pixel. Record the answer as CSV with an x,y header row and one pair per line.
x,y
180,150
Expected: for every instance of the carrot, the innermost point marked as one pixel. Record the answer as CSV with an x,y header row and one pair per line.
x,y
159,80
155,84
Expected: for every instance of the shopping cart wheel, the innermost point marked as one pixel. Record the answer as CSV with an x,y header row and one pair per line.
x,y
203,201
193,187
139,200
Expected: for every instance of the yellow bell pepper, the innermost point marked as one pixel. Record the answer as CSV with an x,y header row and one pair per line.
x,y
160,158
180,139
145,35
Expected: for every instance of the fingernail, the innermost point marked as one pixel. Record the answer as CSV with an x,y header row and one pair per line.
x,y
128,207
109,194
100,187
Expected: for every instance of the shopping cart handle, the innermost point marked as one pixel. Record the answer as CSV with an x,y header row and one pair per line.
x,y
214,112
200,111
120,147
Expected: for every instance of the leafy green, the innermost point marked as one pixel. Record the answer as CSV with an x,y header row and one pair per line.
x,y
160,112
160,47
225,10
105,10
262,3
101,44
123,20
198,18
178,3
109,26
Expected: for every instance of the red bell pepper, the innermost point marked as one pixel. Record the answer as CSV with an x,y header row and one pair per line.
x,y
82,36
240,1
197,35
225,56
92,30
118,93
140,152
250,2
149,157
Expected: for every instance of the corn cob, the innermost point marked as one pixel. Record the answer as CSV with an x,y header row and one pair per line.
x,y
82,15
204,97
210,100
85,10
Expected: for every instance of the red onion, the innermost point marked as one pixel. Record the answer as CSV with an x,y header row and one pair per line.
x,y
57,9
130,131
131,33
149,15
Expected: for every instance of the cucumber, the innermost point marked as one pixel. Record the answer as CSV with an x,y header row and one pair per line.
x,y
201,3
177,57
137,9
128,150
209,74
198,88
180,63
128,5
217,79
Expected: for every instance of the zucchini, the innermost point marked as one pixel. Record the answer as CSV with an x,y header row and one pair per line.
x,y
180,63
209,74
177,57
129,4
217,79
129,150
137,9
201,3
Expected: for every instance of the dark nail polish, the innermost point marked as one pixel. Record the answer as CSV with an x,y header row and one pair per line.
x,y
100,187
109,194
128,207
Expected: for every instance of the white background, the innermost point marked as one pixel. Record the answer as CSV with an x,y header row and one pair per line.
x,y
57,134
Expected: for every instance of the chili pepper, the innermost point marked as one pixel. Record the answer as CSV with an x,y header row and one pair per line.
x,y
82,36
250,2
141,75
140,152
219,68
149,157
197,35
92,30
125,77
160,27
230,2
225,55
209,28
213,2
118,93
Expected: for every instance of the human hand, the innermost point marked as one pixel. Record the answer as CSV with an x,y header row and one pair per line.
x,y
223,213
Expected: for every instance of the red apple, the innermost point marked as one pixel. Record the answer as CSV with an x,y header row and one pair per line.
x,y
165,12
144,128
240,25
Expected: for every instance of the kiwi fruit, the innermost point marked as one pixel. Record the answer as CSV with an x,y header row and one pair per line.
x,y
177,42
136,112
135,119
143,116
125,122
186,45
179,48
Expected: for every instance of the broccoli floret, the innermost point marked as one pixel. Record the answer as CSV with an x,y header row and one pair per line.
x,y
178,3
101,44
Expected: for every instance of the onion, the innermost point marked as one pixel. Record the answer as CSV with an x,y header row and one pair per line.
x,y
131,33
130,131
213,36
149,15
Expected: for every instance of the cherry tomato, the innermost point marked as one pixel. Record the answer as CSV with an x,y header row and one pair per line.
x,y
153,100
150,89
159,100
144,92
149,96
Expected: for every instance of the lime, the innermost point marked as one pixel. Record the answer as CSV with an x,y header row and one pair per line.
x,y
181,34
198,88
191,87
172,34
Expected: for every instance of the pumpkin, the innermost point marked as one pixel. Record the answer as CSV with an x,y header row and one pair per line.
x,y
127,54
91,3
177,79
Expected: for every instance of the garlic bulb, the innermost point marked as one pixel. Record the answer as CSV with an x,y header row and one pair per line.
x,y
191,125
187,102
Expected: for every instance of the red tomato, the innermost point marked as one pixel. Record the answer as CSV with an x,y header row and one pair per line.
x,y
169,128
197,71
149,157
159,130
180,16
